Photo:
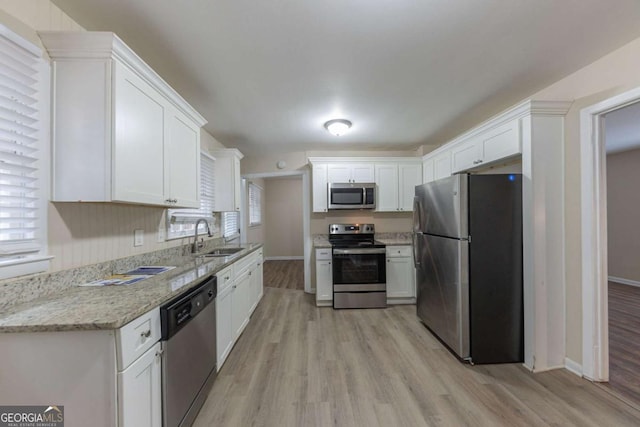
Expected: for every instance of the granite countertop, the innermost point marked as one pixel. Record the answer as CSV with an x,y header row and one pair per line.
x,y
111,307
389,239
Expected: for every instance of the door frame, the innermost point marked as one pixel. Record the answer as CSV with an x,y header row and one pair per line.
x,y
306,215
595,315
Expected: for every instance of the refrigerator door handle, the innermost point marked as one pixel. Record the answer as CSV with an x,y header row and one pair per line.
x,y
416,215
416,263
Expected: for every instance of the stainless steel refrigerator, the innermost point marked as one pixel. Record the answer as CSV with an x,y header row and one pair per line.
x,y
468,255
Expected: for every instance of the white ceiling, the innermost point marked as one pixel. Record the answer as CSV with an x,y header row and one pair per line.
x,y
622,129
268,74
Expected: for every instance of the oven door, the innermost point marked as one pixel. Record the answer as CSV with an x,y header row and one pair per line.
x,y
359,270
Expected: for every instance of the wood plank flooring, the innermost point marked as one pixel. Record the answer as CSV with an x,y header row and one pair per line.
x,y
287,274
299,365
624,341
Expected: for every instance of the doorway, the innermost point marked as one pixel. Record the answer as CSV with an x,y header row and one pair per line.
x,y
285,231
622,147
596,274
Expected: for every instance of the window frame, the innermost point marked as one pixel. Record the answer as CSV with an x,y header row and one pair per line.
x,y
257,192
38,261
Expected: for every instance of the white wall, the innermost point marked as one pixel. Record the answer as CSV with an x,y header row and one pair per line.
x,y
623,205
283,217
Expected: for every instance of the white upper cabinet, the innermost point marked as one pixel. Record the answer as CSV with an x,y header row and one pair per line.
x,y
387,187
350,172
410,175
396,185
319,182
427,170
228,187
120,133
442,165
494,144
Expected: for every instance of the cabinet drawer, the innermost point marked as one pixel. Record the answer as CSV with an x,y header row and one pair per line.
x,y
225,278
398,251
323,254
243,264
136,337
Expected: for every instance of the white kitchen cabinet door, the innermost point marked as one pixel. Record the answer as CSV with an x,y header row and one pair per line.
x,y
138,152
228,188
139,391
182,161
254,286
362,172
259,277
224,325
319,181
351,172
339,173
501,142
427,170
386,187
324,279
240,304
409,175
467,155
442,165
400,275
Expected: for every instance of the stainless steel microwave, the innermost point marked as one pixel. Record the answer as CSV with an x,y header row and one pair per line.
x,y
351,195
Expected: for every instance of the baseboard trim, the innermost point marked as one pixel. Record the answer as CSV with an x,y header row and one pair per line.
x,y
283,258
624,281
573,366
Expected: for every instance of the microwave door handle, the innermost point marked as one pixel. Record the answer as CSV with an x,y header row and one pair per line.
x,y
364,196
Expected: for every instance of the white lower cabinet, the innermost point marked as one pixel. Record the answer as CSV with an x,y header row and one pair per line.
x,y
240,304
324,277
400,275
240,288
224,329
139,391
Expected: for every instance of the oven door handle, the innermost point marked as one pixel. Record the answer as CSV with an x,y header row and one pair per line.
x,y
359,251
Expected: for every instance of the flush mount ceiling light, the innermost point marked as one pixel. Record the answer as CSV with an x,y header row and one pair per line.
x,y
338,126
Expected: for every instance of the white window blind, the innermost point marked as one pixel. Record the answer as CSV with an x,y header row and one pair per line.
x,y
22,214
255,204
230,225
181,222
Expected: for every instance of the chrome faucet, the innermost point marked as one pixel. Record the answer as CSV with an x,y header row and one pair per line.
x,y
198,245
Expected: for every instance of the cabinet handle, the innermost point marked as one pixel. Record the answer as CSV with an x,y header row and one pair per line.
x,y
175,200
146,334
159,352
226,277
235,286
329,263
250,273
168,200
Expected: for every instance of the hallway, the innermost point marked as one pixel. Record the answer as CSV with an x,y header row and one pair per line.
x,y
287,274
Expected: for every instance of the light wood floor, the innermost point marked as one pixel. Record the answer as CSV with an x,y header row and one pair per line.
x,y
624,340
298,365
287,274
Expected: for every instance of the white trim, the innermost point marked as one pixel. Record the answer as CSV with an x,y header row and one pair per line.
x,y
623,281
306,215
284,258
573,366
595,330
346,159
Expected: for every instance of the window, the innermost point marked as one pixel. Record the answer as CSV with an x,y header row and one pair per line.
x,y
24,98
255,204
230,225
181,222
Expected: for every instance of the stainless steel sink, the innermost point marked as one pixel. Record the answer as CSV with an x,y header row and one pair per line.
x,y
220,252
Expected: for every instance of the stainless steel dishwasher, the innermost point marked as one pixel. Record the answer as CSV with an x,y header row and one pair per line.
x,y
189,356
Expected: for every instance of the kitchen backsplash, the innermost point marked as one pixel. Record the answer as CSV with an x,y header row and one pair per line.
x,y
28,288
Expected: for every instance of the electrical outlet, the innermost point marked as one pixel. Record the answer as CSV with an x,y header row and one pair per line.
x,y
138,237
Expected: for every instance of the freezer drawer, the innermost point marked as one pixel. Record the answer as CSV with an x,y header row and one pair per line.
x,y
443,289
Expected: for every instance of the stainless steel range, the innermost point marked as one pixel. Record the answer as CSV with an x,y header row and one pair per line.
x,y
359,267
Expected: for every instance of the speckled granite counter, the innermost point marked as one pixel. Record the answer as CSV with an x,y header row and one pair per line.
x,y
389,239
111,307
